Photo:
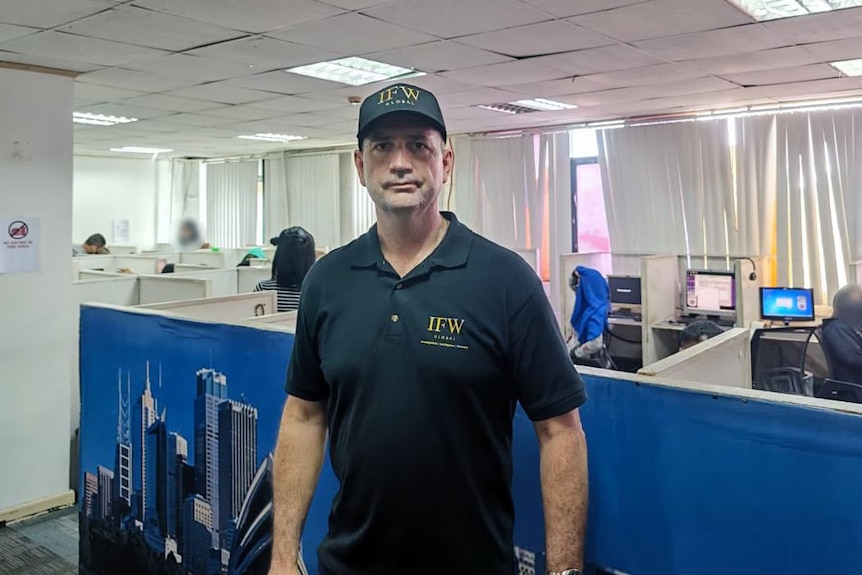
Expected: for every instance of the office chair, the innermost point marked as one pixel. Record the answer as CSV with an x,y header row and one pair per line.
x,y
600,359
841,391
778,361
791,380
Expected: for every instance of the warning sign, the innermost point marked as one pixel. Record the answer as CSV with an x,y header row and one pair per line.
x,y
19,245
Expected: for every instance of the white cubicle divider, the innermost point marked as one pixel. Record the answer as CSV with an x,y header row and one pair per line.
x,y
659,300
97,275
247,278
94,262
748,290
285,320
723,360
225,258
171,288
230,308
118,250
224,281
529,256
119,289
182,268
136,264
169,257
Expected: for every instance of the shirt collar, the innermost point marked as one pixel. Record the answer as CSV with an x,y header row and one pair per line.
x,y
452,252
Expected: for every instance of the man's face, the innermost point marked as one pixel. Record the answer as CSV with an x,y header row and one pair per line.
x,y
91,249
403,163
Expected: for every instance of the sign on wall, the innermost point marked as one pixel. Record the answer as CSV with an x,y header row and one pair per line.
x,y
19,244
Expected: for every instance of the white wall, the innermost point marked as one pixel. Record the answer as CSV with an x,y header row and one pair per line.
x,y
108,189
36,310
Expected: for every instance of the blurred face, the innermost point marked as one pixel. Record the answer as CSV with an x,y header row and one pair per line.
x,y
403,163
91,249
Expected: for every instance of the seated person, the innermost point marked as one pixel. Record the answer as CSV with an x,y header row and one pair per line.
x,y
697,332
294,256
95,244
253,254
590,314
842,335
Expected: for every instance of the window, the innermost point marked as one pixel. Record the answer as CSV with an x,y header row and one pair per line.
x,y
589,218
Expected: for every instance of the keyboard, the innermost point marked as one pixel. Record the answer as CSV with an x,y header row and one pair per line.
x,y
721,322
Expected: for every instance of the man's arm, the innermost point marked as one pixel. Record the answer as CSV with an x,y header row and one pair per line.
x,y
298,458
563,452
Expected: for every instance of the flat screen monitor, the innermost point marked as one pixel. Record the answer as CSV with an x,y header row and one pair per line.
x,y
710,293
625,290
786,304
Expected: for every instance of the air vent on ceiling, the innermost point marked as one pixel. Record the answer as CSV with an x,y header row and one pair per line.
x,y
507,108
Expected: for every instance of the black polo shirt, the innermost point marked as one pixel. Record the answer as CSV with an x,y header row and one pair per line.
x,y
421,375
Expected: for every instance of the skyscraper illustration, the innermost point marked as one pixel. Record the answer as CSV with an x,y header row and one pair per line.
x,y
106,492
177,460
198,525
123,454
237,425
211,390
145,417
91,495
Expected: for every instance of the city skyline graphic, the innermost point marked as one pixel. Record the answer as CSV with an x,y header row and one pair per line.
x,y
175,452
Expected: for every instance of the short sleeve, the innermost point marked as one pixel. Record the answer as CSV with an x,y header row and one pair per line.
x,y
258,287
546,381
304,377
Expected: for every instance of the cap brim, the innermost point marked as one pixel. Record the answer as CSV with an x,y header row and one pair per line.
x,y
432,121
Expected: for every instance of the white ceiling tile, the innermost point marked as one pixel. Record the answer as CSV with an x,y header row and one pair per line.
x,y
634,94
47,62
241,112
159,126
49,13
440,56
814,88
516,72
249,15
753,61
146,28
566,8
359,4
282,82
663,18
128,110
103,93
646,75
536,39
835,50
222,93
264,53
552,88
737,40
437,84
195,69
478,96
132,80
598,60
71,47
165,102
783,75
10,32
718,99
295,104
821,27
453,18
352,34
198,120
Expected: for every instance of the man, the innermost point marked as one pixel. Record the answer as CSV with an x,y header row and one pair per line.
x,y
95,244
697,332
412,345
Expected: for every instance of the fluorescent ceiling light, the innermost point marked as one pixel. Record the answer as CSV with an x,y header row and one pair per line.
x,y
607,124
100,119
762,10
354,71
140,150
504,108
282,138
543,105
848,67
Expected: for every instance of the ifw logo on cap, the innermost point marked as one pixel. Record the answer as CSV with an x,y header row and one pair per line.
x,y
398,95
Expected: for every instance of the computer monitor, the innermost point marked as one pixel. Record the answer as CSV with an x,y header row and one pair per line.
x,y
625,290
786,304
710,293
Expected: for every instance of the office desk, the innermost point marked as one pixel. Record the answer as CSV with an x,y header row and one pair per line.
x,y
627,321
668,325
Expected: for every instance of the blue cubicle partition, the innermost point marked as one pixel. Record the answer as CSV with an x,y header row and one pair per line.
x,y
681,482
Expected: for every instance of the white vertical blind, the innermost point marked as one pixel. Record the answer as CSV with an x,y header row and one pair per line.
x,y
232,203
185,189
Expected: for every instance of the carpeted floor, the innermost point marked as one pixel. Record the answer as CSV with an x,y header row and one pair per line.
x,y
47,545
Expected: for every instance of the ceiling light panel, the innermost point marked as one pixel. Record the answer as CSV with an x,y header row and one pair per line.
x,y
354,71
849,67
141,150
762,10
100,119
543,105
280,138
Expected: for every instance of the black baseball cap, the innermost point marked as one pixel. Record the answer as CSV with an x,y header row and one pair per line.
x,y
400,98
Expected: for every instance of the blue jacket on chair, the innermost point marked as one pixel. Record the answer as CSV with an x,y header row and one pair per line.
x,y
592,304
